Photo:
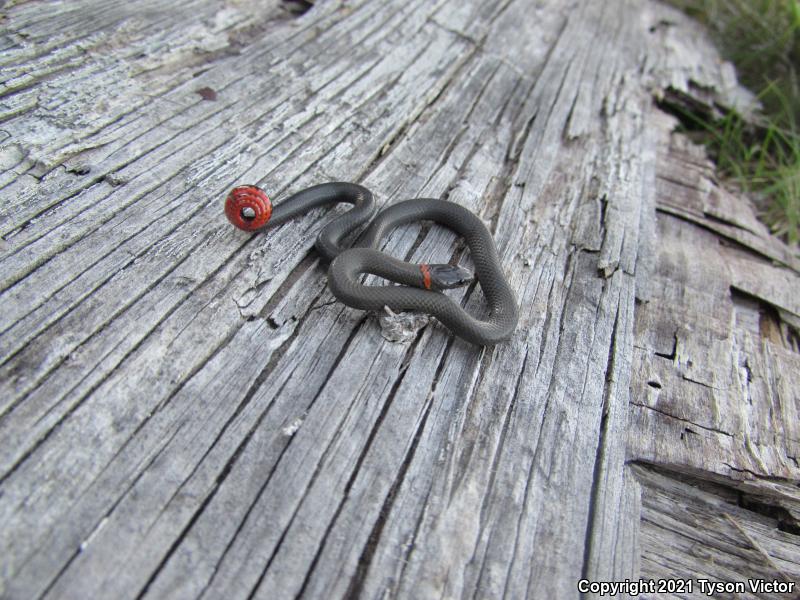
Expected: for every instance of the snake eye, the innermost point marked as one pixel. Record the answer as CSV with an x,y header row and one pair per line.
x,y
248,207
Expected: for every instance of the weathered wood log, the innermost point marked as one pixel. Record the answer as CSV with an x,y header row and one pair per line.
x,y
186,411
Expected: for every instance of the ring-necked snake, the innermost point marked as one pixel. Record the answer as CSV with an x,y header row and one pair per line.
x,y
249,208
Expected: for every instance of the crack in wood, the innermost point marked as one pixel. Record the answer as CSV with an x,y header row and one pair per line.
x,y
671,416
219,480
496,460
356,584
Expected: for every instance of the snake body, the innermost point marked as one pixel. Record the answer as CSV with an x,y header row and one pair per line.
x,y
249,208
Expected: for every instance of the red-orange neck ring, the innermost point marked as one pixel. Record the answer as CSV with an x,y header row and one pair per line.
x,y
426,276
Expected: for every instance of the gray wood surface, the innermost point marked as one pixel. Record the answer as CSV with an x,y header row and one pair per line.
x,y
186,411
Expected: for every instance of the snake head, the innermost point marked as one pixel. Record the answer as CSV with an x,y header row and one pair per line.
x,y
446,277
248,207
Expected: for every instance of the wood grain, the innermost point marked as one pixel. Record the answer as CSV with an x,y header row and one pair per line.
x,y
186,411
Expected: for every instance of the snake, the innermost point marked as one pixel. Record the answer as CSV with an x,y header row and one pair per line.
x,y
420,286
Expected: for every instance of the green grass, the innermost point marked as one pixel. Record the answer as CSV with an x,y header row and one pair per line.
x,y
762,39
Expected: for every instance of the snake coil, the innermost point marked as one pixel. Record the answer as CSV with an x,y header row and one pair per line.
x,y
248,208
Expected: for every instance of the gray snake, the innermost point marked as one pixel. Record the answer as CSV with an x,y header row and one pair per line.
x,y
249,208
